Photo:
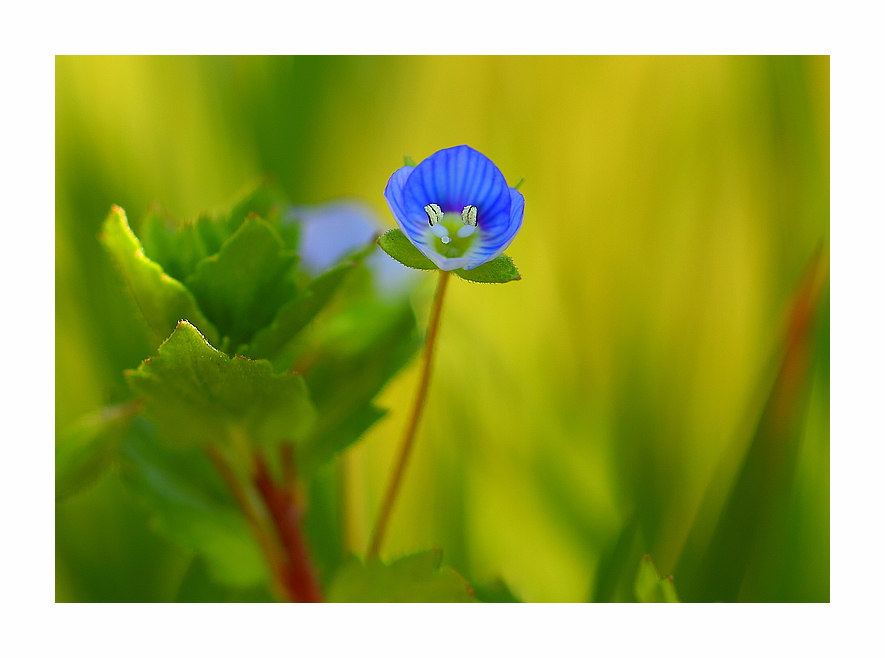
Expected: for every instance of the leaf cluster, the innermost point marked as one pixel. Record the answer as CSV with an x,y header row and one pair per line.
x,y
255,359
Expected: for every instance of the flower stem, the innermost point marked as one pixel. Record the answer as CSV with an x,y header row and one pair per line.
x,y
409,438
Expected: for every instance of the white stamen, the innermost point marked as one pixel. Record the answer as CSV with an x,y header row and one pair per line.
x,y
466,230
434,213
468,215
439,230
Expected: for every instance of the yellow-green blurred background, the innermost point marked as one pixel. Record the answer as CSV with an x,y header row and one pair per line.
x,y
672,206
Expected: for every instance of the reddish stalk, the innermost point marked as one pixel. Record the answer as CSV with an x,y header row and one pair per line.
x,y
297,573
256,518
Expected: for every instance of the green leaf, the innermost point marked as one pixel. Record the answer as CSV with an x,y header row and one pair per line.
x,y
398,247
161,300
336,434
295,315
195,394
348,372
495,591
266,200
649,587
90,448
201,585
413,579
614,572
242,287
190,505
179,246
499,270
325,520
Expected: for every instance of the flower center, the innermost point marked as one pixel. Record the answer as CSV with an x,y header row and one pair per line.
x,y
444,224
441,224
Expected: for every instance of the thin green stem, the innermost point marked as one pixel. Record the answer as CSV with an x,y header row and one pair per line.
x,y
412,427
256,519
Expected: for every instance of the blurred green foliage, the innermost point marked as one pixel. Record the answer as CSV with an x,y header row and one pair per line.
x,y
415,578
658,382
650,587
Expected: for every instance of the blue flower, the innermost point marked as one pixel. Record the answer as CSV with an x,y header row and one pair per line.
x,y
456,208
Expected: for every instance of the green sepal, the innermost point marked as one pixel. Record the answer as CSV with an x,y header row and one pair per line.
x,y
242,287
499,270
161,300
198,395
417,578
408,162
649,587
90,448
400,249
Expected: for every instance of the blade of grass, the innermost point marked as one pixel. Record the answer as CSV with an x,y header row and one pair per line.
x,y
755,507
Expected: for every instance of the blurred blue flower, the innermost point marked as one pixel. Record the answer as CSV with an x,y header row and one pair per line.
x,y
330,231
456,208
333,230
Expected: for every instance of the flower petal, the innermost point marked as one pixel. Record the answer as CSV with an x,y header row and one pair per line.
x,y
492,246
394,193
454,178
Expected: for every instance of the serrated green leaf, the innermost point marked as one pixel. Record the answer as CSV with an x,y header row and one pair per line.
x,y
649,587
413,579
195,394
499,270
90,448
179,246
398,247
190,505
241,288
161,300
266,200
295,315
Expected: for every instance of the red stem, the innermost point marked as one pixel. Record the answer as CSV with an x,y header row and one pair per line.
x,y
298,575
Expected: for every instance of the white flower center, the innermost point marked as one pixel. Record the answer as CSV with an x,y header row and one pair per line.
x,y
435,217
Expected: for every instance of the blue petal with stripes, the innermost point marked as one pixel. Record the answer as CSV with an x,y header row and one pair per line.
x,y
432,206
